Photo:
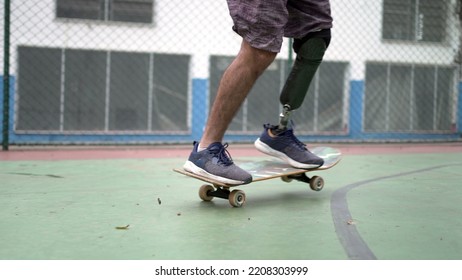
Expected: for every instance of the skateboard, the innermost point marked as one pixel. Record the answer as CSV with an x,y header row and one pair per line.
x,y
266,170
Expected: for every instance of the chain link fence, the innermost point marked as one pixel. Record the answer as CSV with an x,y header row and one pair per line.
x,y
147,71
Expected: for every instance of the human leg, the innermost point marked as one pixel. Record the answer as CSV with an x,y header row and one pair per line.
x,y
234,86
209,157
262,40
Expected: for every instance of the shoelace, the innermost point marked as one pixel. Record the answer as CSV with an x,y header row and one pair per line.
x,y
298,143
289,133
223,155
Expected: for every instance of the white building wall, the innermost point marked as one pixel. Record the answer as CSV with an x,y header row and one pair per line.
x,y
358,38
203,27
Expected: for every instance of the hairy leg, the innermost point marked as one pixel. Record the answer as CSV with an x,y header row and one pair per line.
x,y
236,83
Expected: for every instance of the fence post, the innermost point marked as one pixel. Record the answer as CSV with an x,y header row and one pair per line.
x,y
459,110
6,76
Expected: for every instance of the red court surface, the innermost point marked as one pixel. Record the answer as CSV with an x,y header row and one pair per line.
x,y
178,151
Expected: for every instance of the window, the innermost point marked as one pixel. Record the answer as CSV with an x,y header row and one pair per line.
x,y
405,98
73,90
324,107
140,11
322,111
84,90
414,20
39,98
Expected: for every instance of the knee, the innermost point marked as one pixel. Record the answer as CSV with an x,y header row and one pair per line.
x,y
262,59
258,59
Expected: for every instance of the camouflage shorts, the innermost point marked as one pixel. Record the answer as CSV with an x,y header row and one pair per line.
x,y
263,23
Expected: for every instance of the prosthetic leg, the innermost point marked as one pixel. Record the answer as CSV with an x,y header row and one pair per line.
x,y
310,51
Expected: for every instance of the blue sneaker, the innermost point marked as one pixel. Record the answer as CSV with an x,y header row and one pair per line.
x,y
286,146
215,163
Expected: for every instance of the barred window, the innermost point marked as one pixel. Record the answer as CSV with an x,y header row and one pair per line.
x,y
322,112
75,90
407,97
414,20
140,11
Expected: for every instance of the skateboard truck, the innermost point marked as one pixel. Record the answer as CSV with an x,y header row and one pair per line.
x,y
316,182
236,197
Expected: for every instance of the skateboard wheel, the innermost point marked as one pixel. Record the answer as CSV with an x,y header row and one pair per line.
x,y
286,179
316,183
204,192
236,198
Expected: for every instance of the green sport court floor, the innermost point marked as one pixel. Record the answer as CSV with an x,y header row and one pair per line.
x,y
389,202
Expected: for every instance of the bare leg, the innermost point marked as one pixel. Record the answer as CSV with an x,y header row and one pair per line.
x,y
236,83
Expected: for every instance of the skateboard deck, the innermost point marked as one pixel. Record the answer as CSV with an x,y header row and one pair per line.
x,y
266,170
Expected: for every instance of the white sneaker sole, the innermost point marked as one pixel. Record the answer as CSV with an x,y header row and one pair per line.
x,y
191,167
262,147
